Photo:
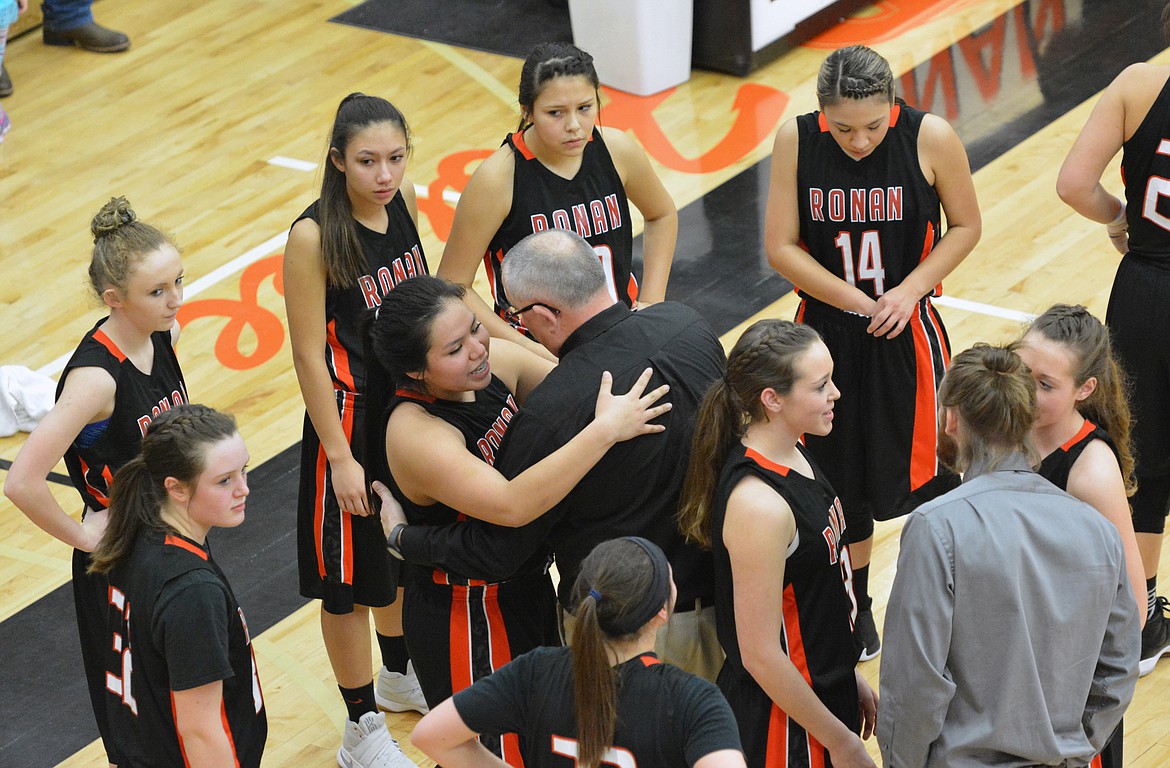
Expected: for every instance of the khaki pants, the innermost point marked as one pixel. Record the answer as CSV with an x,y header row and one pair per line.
x,y
688,640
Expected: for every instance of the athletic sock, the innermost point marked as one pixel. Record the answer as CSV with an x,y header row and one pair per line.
x,y
394,655
861,588
1151,596
359,701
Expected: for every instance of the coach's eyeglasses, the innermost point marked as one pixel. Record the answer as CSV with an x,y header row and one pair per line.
x,y
514,314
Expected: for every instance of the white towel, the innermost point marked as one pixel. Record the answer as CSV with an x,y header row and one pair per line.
x,y
25,397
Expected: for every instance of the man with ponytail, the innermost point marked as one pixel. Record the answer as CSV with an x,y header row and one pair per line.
x,y
608,700
1012,631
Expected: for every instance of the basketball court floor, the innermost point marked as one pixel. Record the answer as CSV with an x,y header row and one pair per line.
x,y
214,125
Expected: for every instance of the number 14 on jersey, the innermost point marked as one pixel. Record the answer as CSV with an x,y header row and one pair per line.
x,y
867,258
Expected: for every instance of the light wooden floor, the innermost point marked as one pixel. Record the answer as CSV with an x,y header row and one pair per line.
x,y
185,122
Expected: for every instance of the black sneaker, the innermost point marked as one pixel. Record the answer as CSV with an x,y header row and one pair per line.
x,y
1155,638
867,633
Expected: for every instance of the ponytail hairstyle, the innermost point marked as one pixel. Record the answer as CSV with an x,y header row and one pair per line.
x,y
120,242
1076,329
175,445
855,72
993,394
340,249
397,340
546,62
764,357
621,586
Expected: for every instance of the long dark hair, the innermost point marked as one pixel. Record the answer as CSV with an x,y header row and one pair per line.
x,y
765,356
616,582
340,249
398,337
175,445
548,61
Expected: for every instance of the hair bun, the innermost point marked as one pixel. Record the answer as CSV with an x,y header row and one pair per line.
x,y
115,214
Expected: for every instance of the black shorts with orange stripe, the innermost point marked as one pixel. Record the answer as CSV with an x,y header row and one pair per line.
x,y
772,739
342,558
458,631
880,456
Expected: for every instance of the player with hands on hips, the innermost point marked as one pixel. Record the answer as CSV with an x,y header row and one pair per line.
x,y
122,374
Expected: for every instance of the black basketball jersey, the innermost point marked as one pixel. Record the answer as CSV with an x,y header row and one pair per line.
x,y
390,258
869,221
665,716
1056,466
1145,167
593,204
103,447
176,626
818,606
483,423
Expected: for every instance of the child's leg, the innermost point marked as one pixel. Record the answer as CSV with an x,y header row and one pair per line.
x,y
5,123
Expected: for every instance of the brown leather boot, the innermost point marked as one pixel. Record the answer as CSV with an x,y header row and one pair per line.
x,y
91,37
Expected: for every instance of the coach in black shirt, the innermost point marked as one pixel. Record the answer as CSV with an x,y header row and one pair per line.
x,y
558,282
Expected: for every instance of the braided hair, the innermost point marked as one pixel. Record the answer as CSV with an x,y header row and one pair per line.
x,y
764,357
175,445
546,62
855,73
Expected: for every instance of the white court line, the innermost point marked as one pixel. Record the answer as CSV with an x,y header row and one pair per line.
x,y
984,309
293,163
451,196
200,285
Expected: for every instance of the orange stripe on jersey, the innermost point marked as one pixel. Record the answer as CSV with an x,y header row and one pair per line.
x,y
800,311
649,661
766,463
794,639
776,755
459,630
518,140
936,323
96,492
320,484
100,336
227,729
175,541
895,113
1085,429
632,289
822,122
922,450
341,372
489,259
414,395
1096,762
927,247
347,425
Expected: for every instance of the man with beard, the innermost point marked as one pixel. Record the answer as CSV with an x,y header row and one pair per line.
x,y
1012,631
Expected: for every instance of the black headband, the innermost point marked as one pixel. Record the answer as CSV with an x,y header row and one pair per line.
x,y
651,602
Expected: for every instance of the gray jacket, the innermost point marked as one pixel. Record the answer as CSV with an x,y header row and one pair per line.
x,y
1012,634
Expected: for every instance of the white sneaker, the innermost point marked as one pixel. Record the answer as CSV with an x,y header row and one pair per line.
x,y
396,692
368,744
